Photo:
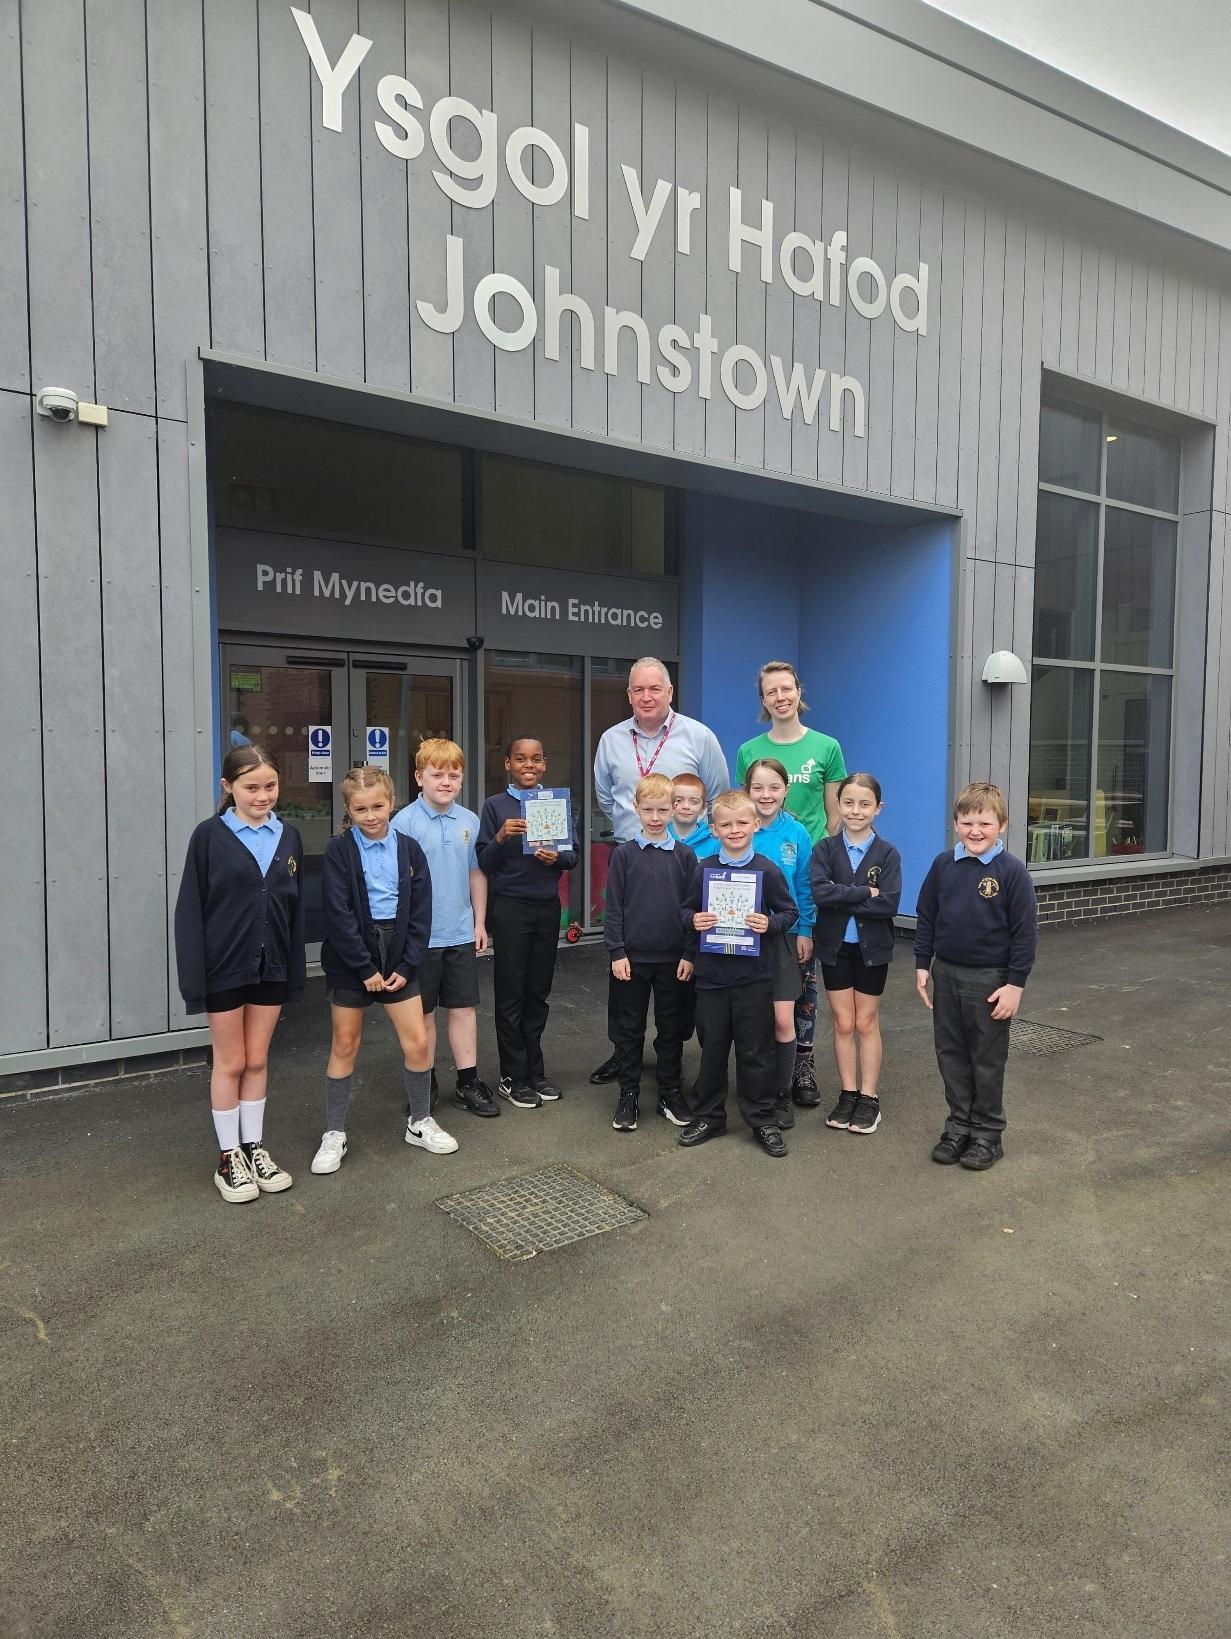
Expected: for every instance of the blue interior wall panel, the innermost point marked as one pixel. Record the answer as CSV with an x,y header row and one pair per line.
x,y
875,637
741,608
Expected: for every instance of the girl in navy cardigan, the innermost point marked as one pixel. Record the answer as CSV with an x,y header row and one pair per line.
x,y
239,948
856,885
378,916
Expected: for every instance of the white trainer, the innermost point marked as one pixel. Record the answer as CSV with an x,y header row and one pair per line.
x,y
329,1157
430,1136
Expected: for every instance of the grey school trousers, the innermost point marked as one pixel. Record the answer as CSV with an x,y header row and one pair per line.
x,y
971,1048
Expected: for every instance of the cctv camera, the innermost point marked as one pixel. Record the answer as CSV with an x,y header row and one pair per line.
x,y
57,402
475,642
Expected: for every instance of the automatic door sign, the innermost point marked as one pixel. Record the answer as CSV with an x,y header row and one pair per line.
x,y
378,747
320,752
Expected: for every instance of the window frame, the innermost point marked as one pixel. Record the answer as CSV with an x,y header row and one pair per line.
x,y
1097,665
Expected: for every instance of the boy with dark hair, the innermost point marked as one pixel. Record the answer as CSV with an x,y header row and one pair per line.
x,y
649,950
977,930
735,994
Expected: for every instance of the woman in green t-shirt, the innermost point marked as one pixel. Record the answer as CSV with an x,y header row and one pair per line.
x,y
816,767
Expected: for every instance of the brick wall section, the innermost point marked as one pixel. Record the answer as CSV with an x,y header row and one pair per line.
x,y
1131,895
40,1083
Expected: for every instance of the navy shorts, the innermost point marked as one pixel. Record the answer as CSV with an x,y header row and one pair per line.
x,y
851,972
344,996
264,994
787,973
449,977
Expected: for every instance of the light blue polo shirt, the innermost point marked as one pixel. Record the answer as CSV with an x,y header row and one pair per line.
x,y
261,840
379,858
448,840
854,852
996,848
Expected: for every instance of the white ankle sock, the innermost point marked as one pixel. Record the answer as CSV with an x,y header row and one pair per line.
x,y
226,1125
251,1119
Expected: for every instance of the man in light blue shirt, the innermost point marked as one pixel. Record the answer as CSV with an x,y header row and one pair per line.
x,y
448,974
654,740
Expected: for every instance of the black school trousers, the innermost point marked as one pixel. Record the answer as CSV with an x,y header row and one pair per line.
x,y
628,1008
971,1048
525,938
739,1016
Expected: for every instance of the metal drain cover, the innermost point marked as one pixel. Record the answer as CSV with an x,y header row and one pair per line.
x,y
539,1212
1044,1040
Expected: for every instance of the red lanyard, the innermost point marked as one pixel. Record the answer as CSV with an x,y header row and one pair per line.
x,y
645,768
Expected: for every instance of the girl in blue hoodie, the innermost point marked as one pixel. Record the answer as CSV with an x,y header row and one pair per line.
x,y
782,838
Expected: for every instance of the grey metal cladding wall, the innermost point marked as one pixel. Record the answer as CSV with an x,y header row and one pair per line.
x,y
189,196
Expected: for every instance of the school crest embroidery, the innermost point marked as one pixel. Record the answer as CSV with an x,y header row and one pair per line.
x,y
292,865
466,834
989,887
874,875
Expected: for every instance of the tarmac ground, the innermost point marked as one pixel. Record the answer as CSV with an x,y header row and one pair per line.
x,y
847,1395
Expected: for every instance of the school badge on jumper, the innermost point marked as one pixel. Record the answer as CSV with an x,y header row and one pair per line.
x,y
988,887
874,875
292,865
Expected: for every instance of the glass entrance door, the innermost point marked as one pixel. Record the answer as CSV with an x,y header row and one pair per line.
x,y
274,695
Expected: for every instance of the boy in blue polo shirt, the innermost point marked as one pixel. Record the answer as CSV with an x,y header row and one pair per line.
x,y
449,974
977,930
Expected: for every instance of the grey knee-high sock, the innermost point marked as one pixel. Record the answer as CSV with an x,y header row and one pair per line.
x,y
337,1097
418,1085
784,1066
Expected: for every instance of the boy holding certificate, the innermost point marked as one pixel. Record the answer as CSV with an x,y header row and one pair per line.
x,y
734,900
523,914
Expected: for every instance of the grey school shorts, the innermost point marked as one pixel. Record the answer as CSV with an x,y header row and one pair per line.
x,y
787,976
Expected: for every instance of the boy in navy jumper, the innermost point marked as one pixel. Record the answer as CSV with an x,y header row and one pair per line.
x,y
523,917
649,950
977,930
735,994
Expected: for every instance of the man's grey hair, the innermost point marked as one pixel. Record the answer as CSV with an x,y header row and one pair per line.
x,y
648,660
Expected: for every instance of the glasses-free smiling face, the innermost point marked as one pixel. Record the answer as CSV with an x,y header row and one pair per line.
x,y
687,803
857,807
370,812
780,694
978,832
650,695
255,793
526,764
439,785
734,828
768,793
654,814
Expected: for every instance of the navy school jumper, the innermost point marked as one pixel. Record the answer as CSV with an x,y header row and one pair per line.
x,y
233,926
840,894
714,972
510,871
351,951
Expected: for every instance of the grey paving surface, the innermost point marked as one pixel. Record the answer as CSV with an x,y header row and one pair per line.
x,y
851,1394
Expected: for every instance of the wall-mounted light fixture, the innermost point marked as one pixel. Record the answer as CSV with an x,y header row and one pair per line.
x,y
1004,667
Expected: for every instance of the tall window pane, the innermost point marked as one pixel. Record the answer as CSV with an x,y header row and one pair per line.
x,y
1143,466
1066,565
1069,447
1060,716
1138,588
1134,749
539,695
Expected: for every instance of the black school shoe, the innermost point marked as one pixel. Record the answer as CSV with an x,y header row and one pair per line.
x,y
950,1148
700,1132
982,1153
771,1141
476,1097
607,1071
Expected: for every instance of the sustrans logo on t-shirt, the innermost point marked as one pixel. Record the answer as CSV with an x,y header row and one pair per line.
x,y
989,887
806,771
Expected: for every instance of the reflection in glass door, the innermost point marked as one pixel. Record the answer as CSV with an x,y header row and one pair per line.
x,y
407,705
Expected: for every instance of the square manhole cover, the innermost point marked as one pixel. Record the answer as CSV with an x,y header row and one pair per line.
x,y
540,1211
1044,1040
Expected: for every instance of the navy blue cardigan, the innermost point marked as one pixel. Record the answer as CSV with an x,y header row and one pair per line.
x,y
351,951
508,869
228,914
840,894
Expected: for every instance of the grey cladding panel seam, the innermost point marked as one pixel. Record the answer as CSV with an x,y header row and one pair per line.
x,y
14,311
119,204
752,170
551,111
131,615
233,177
513,249
658,159
470,65
23,996
337,191
71,673
429,212
288,248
